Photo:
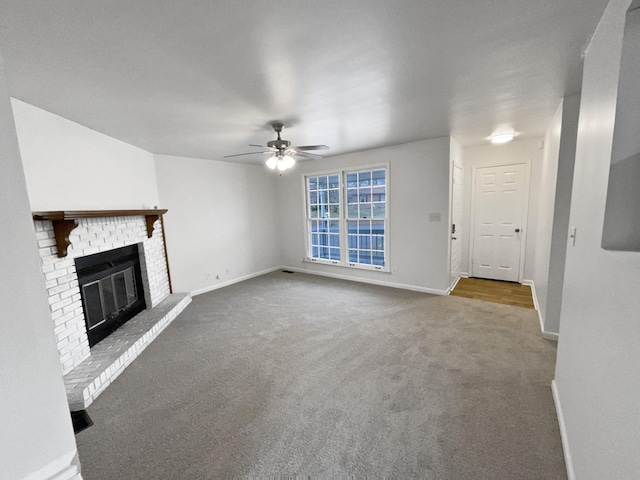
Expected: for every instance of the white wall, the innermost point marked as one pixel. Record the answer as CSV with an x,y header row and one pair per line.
x,y
485,155
71,167
418,185
562,204
546,203
597,382
222,218
37,437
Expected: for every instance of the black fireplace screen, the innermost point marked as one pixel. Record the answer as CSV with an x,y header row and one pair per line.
x,y
107,297
111,290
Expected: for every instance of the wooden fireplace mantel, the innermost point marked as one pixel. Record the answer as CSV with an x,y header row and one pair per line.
x,y
64,221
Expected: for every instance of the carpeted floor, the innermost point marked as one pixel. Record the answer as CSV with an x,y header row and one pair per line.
x,y
293,374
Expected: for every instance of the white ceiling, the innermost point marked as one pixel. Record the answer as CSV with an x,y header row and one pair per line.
x,y
204,78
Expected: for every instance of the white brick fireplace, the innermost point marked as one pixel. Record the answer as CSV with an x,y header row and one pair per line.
x,y
88,370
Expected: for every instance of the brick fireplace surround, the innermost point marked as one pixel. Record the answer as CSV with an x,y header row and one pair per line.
x,y
88,371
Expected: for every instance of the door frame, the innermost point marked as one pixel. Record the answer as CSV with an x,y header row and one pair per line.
x,y
525,213
453,282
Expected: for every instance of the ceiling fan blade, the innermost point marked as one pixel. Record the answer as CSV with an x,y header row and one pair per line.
x,y
258,146
312,147
248,153
309,155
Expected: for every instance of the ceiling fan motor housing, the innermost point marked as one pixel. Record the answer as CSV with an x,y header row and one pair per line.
x,y
279,144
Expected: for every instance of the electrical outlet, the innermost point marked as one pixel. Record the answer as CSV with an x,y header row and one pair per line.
x,y
435,217
208,276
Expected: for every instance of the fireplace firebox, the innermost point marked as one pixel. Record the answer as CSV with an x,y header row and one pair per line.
x,y
111,289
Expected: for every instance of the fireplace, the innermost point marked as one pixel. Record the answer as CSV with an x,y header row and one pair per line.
x,y
95,286
66,236
111,289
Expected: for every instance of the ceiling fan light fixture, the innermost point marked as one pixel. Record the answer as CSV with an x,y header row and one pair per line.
x,y
503,137
280,162
288,161
272,162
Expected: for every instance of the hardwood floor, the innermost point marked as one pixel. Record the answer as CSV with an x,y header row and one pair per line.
x,y
507,293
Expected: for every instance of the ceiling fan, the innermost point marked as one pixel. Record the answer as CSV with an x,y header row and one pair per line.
x,y
282,152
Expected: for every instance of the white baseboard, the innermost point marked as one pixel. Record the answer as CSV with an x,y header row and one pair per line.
x,y
548,335
531,284
536,305
69,473
322,274
210,288
464,274
369,281
563,431
63,468
453,285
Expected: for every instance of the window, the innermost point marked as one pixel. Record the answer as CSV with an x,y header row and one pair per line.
x,y
324,215
366,213
347,218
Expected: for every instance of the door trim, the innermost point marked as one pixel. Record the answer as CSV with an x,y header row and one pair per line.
x,y
525,213
453,165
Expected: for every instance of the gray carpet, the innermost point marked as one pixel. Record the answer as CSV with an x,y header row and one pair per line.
x,y
293,375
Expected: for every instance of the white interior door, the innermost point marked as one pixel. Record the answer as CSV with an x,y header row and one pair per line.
x,y
456,220
499,210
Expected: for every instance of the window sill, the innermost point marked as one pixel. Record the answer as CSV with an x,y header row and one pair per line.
x,y
333,263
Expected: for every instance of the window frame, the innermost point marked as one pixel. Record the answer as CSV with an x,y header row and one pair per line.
x,y
343,218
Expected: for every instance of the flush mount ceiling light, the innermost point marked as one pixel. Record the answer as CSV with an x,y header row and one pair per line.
x,y
282,152
502,137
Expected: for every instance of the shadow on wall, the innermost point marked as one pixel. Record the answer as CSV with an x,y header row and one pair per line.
x,y
622,221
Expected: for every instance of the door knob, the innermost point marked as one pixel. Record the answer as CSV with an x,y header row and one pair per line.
x,y
517,230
